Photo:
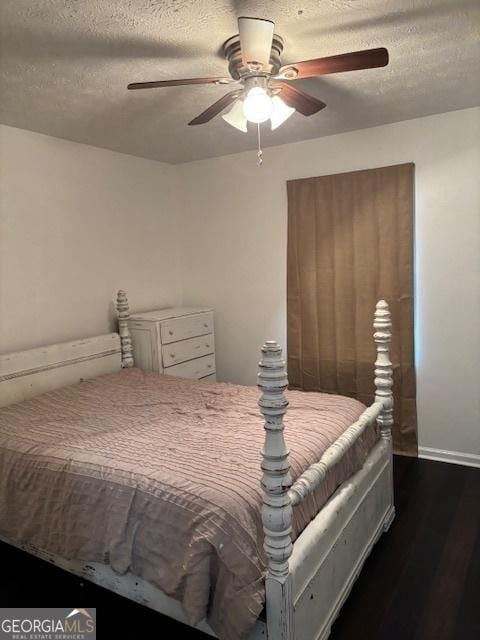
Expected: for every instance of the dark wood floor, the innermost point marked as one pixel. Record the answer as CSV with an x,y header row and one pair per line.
x,y
421,582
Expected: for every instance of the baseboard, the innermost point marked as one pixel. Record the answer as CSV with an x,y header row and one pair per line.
x,y
454,457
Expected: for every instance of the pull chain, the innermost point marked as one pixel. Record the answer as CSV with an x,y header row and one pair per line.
x,y
260,152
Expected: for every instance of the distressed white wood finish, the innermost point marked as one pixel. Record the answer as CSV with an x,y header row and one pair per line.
x,y
383,368
185,350
327,557
188,326
198,368
123,314
329,554
168,313
382,324
315,474
177,341
211,378
129,586
276,481
307,582
25,374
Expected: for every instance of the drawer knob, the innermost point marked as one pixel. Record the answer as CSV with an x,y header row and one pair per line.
x,y
205,325
207,345
209,366
172,355
170,333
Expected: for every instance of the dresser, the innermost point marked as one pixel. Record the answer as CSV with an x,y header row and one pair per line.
x,y
177,341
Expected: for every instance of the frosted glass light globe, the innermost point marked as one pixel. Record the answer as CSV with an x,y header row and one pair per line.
x,y
257,106
281,112
235,116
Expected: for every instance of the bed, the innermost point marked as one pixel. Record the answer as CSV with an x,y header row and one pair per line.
x,y
147,485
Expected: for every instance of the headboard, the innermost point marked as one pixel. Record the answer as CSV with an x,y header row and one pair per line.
x,y
25,374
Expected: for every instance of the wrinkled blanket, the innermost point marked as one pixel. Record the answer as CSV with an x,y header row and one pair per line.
x,y
160,476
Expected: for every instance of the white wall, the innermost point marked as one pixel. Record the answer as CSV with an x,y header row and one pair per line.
x,y
76,224
235,217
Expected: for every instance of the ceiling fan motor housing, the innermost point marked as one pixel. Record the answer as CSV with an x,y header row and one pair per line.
x,y
233,53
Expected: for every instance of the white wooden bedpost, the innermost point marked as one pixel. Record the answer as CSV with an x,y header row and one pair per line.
x,y
383,368
276,482
123,314
383,385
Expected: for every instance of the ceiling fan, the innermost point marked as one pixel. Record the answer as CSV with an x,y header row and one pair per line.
x,y
264,91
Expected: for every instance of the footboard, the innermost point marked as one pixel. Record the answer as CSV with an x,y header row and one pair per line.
x,y
329,554
307,583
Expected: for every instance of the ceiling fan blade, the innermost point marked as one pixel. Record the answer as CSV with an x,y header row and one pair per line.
x,y
215,108
354,61
304,103
176,83
256,36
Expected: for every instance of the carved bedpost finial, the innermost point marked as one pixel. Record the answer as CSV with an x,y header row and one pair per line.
x,y
276,480
123,314
383,368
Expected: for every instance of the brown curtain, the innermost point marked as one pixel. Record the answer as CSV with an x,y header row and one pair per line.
x,y
350,243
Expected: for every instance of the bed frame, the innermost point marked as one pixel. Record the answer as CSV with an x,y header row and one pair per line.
x,y
307,581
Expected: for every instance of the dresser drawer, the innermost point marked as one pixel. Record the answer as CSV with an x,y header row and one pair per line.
x,y
210,378
177,352
198,368
187,327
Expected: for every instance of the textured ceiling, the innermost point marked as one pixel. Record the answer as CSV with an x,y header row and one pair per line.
x,y
66,63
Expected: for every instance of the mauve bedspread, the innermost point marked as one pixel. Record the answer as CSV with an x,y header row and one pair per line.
x,y
160,476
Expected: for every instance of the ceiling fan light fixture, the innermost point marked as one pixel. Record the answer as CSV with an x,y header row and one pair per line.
x,y
281,112
254,65
258,105
235,117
